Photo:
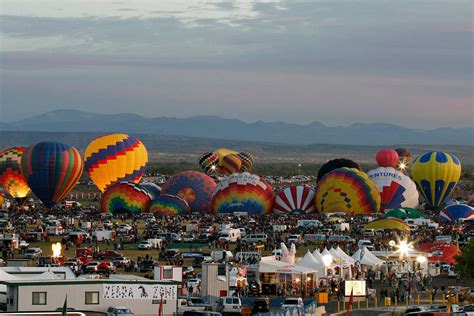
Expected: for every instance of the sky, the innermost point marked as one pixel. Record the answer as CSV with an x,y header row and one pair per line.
x,y
406,62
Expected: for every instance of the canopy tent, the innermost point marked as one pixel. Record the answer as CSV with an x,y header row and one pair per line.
x,y
345,256
440,251
309,261
270,265
327,253
47,275
365,257
388,223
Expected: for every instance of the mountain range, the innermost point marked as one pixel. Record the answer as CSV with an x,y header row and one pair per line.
x,y
214,127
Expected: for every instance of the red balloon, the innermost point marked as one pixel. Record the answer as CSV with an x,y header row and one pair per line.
x,y
387,158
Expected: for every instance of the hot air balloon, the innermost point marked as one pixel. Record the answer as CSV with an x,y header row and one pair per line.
x,y
456,212
167,204
194,187
336,164
242,192
51,170
396,189
388,224
230,164
125,197
387,158
347,190
404,155
296,199
436,174
152,188
208,162
2,199
113,158
247,162
10,173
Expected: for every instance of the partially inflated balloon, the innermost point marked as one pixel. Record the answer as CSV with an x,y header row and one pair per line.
x,y
125,197
194,187
396,189
457,212
51,170
436,174
167,204
10,173
2,200
404,155
113,158
152,188
387,158
247,162
231,164
296,199
242,192
336,164
347,190
208,162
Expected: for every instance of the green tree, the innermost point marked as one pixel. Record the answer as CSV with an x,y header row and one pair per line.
x,y
465,262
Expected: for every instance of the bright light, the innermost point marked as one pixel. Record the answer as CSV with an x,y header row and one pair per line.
x,y
402,166
56,249
404,247
327,260
308,279
213,167
421,259
391,243
297,280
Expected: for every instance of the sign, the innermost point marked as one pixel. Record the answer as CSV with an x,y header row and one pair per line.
x,y
357,285
139,291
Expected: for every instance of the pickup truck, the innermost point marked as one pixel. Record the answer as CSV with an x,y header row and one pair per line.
x,y
185,305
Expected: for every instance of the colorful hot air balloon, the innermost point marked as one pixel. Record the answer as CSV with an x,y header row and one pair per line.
x,y
152,188
113,158
10,173
387,158
295,199
167,204
242,192
51,170
125,197
194,187
2,199
336,164
436,174
247,162
208,162
457,212
230,164
404,155
396,189
388,224
347,190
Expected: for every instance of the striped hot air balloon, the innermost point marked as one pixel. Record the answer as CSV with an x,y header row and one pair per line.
x,y
208,162
243,192
457,212
347,190
125,197
113,158
51,170
167,204
152,188
230,164
247,162
10,173
296,199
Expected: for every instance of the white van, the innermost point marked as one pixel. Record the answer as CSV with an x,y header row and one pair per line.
x,y
421,222
309,223
230,235
255,238
218,255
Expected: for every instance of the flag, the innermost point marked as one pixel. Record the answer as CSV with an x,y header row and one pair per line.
x,y
160,309
64,310
351,300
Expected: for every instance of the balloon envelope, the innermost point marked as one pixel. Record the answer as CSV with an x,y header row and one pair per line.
x,y
10,173
125,197
113,158
347,190
396,189
194,187
336,164
242,192
51,170
151,188
436,175
387,158
456,212
296,199
167,204
389,224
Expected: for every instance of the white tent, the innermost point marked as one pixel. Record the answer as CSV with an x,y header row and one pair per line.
x,y
288,256
269,265
335,254
368,258
327,253
345,256
309,261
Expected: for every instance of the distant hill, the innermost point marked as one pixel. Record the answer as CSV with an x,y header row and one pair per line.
x,y
213,127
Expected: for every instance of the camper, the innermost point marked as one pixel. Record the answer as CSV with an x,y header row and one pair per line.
x,y
309,223
279,228
218,255
413,222
104,234
230,235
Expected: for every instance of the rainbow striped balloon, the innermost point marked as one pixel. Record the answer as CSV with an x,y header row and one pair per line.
x,y
243,192
51,170
168,204
10,173
114,158
125,197
347,190
231,164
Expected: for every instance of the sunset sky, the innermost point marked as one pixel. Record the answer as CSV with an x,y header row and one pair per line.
x,y
336,62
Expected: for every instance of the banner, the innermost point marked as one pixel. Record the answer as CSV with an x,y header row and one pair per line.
x,y
139,291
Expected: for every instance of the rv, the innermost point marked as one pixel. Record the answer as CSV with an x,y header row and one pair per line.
x,y
230,235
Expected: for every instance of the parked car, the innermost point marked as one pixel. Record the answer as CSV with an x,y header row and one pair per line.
x,y
124,229
107,254
146,265
92,267
292,303
24,244
119,311
415,310
145,245
33,253
255,238
193,282
229,305
120,261
261,305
